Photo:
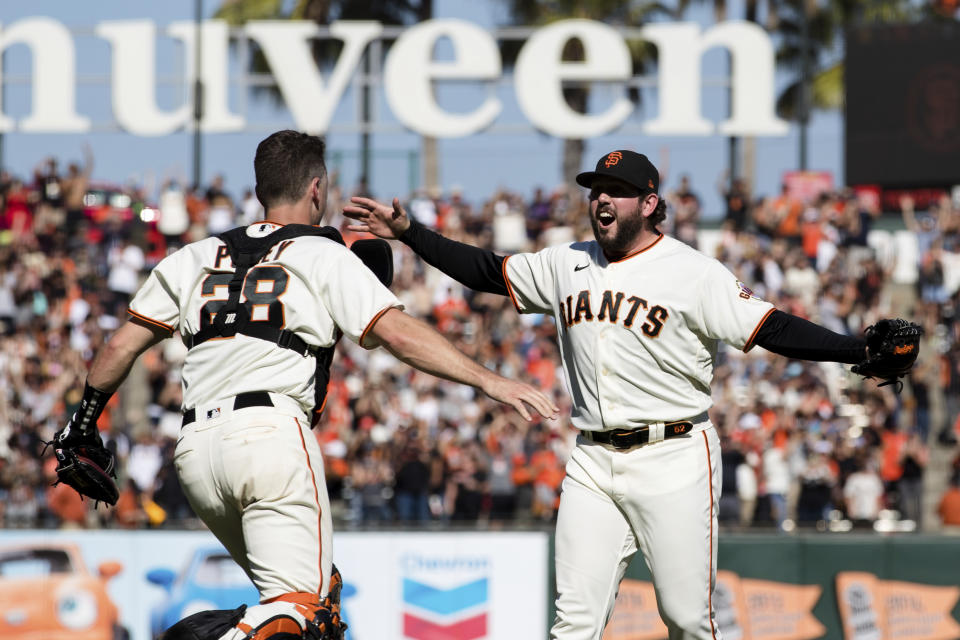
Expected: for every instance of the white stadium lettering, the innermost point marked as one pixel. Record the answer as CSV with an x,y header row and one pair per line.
x,y
409,77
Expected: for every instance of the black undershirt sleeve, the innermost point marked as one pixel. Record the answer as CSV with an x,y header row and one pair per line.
x,y
793,337
476,268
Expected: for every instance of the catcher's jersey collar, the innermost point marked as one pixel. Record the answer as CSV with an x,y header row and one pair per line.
x,y
262,229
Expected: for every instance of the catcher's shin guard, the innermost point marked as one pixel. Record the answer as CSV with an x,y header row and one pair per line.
x,y
291,616
327,618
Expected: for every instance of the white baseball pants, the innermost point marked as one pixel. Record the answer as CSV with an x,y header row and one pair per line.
x,y
255,477
660,499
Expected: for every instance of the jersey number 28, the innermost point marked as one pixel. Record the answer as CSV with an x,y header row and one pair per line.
x,y
262,289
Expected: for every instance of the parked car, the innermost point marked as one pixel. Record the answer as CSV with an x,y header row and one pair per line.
x,y
46,592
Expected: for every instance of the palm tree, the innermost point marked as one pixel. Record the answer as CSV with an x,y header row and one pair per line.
x,y
826,25
628,13
396,12
809,35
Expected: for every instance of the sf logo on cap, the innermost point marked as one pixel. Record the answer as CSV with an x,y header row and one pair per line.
x,y
613,158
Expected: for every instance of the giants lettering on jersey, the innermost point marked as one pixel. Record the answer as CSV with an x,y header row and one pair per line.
x,y
615,308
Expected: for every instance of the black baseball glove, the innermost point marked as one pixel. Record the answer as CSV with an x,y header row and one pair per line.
x,y
82,461
89,468
892,348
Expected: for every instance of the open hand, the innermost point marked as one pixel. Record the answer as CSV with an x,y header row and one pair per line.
x,y
374,217
518,395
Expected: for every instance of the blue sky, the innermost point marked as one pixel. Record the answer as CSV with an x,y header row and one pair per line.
x,y
518,160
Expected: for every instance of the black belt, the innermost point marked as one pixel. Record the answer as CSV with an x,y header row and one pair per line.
x,y
240,401
626,438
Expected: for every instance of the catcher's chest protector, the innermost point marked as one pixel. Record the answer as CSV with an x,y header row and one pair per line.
x,y
233,317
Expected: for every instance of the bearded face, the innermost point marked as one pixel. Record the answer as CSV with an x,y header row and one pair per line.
x,y
616,215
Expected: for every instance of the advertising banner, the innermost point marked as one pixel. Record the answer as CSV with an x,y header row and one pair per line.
x,y
53,584
425,586
874,609
775,611
112,585
806,186
746,609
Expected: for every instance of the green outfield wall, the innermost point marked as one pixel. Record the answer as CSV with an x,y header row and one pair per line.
x,y
863,587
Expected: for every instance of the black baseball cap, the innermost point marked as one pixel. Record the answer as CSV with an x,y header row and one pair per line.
x,y
631,167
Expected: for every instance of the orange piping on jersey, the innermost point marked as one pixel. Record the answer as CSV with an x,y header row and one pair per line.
x,y
279,224
371,323
155,323
636,253
713,631
753,335
506,280
316,497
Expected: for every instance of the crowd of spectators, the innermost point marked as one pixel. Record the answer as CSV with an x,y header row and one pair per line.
x,y
803,443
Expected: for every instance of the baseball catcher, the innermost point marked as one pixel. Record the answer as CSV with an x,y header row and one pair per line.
x,y
82,461
892,348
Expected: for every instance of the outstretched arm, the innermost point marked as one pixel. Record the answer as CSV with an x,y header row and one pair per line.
x,y
479,269
414,342
888,351
791,336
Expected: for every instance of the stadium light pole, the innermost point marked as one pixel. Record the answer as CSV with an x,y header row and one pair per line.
x,y
3,98
804,99
197,93
733,160
365,118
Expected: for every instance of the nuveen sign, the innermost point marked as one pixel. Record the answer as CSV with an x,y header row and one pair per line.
x,y
409,75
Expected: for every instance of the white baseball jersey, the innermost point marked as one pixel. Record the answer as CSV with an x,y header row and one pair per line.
x,y
327,287
638,336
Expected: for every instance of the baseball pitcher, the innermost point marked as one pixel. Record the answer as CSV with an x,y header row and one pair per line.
x,y
639,317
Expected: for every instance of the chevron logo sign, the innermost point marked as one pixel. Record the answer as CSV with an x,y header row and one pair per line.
x,y
456,613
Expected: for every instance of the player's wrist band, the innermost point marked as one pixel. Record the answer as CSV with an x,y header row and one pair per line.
x,y
91,406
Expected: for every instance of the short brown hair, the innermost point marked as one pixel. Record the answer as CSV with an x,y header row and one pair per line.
x,y
284,165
